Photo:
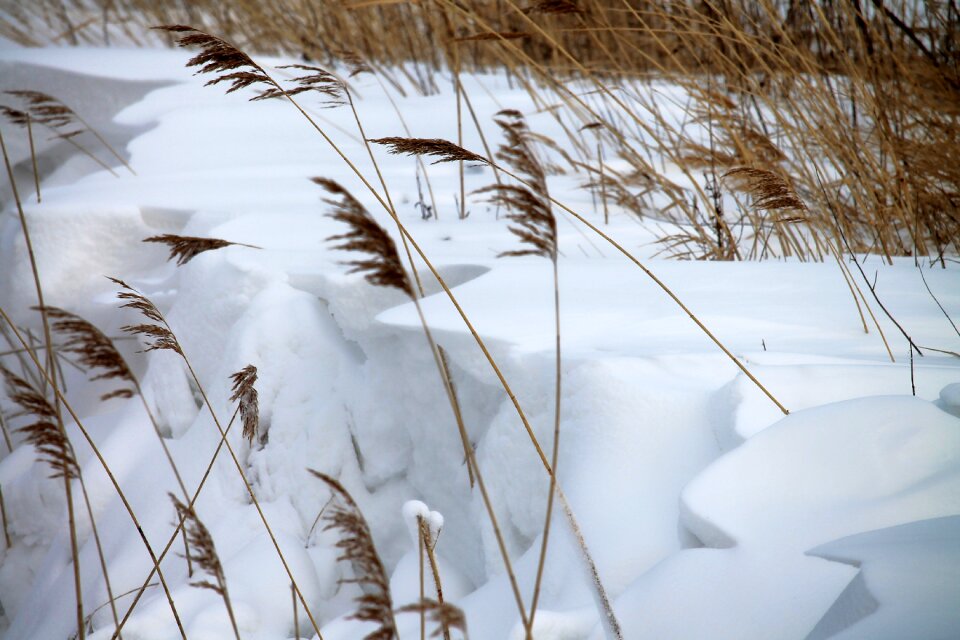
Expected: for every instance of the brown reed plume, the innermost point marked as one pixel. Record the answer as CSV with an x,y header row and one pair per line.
x,y
186,248
43,433
23,119
444,150
356,546
528,206
56,115
446,616
355,64
245,394
158,336
384,267
46,110
315,79
770,191
94,350
226,62
203,553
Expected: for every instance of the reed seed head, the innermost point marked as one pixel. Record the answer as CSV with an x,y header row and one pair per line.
x,y
224,61
158,336
246,394
383,268
43,433
444,150
186,248
356,547
770,191
94,350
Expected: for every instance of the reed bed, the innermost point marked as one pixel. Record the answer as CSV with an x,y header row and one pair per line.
x,y
811,131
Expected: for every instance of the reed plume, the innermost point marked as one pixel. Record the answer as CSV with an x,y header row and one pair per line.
x,y
384,267
158,336
203,553
355,64
56,115
770,191
186,248
46,110
94,350
43,433
226,62
444,150
528,205
356,546
446,616
315,79
245,394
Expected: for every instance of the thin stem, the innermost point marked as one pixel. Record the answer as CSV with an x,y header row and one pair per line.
x,y
296,616
33,155
420,545
6,433
429,544
226,601
106,144
3,512
99,546
555,454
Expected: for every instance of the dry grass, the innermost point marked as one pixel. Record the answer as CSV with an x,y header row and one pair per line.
x,y
839,122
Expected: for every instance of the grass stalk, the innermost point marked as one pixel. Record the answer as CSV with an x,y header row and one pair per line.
x,y
33,156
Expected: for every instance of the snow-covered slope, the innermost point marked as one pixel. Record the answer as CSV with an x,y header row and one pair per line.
x,y
709,515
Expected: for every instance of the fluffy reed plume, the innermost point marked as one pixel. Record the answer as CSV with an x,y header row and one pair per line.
x,y
528,207
355,64
357,548
245,394
770,191
93,349
443,614
158,336
43,433
51,112
435,147
384,267
46,110
203,553
225,61
186,248
315,79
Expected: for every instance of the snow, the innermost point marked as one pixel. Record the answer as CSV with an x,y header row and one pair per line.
x,y
707,512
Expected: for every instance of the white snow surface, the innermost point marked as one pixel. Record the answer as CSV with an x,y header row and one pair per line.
x,y
708,513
